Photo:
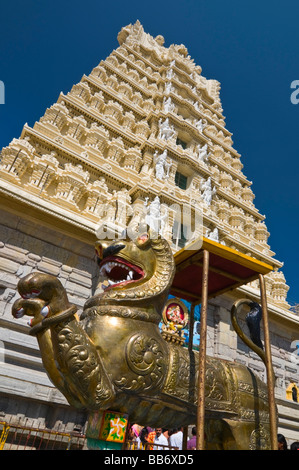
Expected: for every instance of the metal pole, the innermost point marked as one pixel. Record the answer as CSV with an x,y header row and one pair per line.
x,y
191,328
269,367
200,424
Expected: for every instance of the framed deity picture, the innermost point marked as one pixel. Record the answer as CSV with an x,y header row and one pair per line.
x,y
175,322
175,312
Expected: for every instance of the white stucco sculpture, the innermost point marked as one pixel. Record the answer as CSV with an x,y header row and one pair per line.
x,y
154,217
162,167
208,191
202,153
166,130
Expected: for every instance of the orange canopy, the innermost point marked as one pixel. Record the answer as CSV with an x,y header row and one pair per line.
x,y
228,269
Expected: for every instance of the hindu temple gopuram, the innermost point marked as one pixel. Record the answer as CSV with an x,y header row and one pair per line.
x,y
142,133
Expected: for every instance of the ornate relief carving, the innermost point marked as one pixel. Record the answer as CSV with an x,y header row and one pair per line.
x,y
144,356
259,439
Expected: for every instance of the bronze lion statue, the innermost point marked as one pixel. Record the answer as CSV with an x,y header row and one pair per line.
x,y
114,356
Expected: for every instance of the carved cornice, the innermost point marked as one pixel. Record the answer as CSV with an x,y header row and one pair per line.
x,y
130,137
119,54
238,203
76,158
117,97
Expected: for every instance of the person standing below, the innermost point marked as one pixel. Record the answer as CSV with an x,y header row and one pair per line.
x,y
282,443
142,439
165,433
191,444
160,439
176,439
294,446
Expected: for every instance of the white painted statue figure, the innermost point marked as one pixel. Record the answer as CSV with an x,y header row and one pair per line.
x,y
154,218
214,235
162,167
203,153
208,191
168,88
200,125
169,74
166,131
168,105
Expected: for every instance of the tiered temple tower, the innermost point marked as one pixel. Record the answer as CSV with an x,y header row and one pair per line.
x,y
144,129
144,123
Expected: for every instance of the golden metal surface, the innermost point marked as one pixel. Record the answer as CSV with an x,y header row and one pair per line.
x,y
265,355
114,357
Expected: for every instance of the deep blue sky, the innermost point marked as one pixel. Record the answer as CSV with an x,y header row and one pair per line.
x,y
251,47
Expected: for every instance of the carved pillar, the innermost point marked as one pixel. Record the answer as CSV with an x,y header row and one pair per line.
x,y
97,102
97,136
116,150
44,172
56,115
16,160
132,159
77,128
147,160
172,172
72,182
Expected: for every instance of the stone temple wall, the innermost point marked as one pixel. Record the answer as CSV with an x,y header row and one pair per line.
x,y
24,248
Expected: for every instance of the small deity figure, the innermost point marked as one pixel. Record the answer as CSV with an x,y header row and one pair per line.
x,y
154,218
162,167
203,153
169,74
208,192
174,314
168,105
168,88
123,206
166,131
198,106
214,235
84,154
175,318
200,125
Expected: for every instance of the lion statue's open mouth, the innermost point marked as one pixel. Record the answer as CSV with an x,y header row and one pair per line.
x,y
119,272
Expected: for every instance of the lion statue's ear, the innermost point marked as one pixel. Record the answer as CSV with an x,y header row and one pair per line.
x,y
143,240
141,233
